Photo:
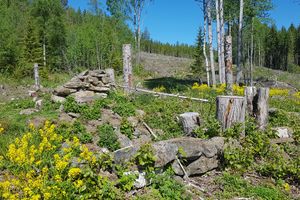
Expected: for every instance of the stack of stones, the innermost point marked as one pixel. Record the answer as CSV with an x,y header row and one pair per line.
x,y
86,86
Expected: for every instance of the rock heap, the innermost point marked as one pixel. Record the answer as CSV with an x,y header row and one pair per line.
x,y
86,86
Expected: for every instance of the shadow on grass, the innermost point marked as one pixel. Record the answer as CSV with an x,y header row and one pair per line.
x,y
170,83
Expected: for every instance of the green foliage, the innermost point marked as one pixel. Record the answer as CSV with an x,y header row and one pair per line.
x,y
168,187
145,158
126,128
234,186
108,137
88,112
209,129
86,137
197,66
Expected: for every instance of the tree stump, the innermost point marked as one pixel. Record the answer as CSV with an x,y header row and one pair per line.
x,y
261,107
111,74
127,68
36,76
190,121
250,93
230,110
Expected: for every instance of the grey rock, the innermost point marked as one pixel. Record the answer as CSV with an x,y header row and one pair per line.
x,y
105,79
97,73
107,116
164,152
38,104
37,121
57,99
202,165
62,91
99,89
143,139
177,169
100,95
283,132
74,115
133,121
78,84
28,111
84,96
64,117
123,140
125,154
141,181
92,80
84,73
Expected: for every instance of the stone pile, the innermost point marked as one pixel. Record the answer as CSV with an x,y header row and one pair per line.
x,y
86,86
200,155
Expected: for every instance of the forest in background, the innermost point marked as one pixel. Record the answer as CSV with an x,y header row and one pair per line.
x,y
60,38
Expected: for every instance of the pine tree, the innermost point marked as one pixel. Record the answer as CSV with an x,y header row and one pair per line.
x,y
197,66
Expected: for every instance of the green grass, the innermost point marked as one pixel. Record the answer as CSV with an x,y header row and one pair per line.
x,y
234,186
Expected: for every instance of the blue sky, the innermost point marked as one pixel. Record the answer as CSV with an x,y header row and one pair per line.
x,y
179,20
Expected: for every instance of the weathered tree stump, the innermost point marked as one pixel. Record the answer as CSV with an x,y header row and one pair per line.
x,y
190,121
261,107
230,110
36,76
111,74
250,93
127,68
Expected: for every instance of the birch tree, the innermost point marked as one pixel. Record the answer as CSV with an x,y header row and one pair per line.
x,y
205,40
210,40
239,43
222,30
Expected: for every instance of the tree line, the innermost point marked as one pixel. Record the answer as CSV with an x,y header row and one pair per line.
x,y
58,37
255,40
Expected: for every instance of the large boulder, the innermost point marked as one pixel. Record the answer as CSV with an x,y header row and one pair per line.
x,y
63,92
84,96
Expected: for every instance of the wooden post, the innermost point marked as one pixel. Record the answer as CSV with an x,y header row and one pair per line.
x,y
127,68
261,107
228,65
230,110
111,74
36,76
250,93
190,121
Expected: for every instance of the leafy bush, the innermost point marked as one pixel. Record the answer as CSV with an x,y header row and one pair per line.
x,y
126,128
108,137
145,158
86,138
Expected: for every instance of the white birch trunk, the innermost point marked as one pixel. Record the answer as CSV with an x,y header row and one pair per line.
x,y
222,30
44,51
251,55
219,40
239,43
210,38
204,42
127,68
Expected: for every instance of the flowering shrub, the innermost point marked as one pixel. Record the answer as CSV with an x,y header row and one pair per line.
x,y
1,129
39,167
220,89
278,92
159,89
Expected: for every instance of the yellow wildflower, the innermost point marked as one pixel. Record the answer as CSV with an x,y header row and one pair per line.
x,y
279,92
78,183
73,172
47,195
1,129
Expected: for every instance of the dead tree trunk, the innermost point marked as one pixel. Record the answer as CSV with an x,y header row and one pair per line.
x,y
190,121
250,93
222,30
111,74
219,41
36,76
228,63
239,43
230,110
210,38
127,68
261,107
204,42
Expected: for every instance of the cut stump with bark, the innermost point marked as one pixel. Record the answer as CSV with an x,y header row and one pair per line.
x,y
250,93
189,121
230,110
261,107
